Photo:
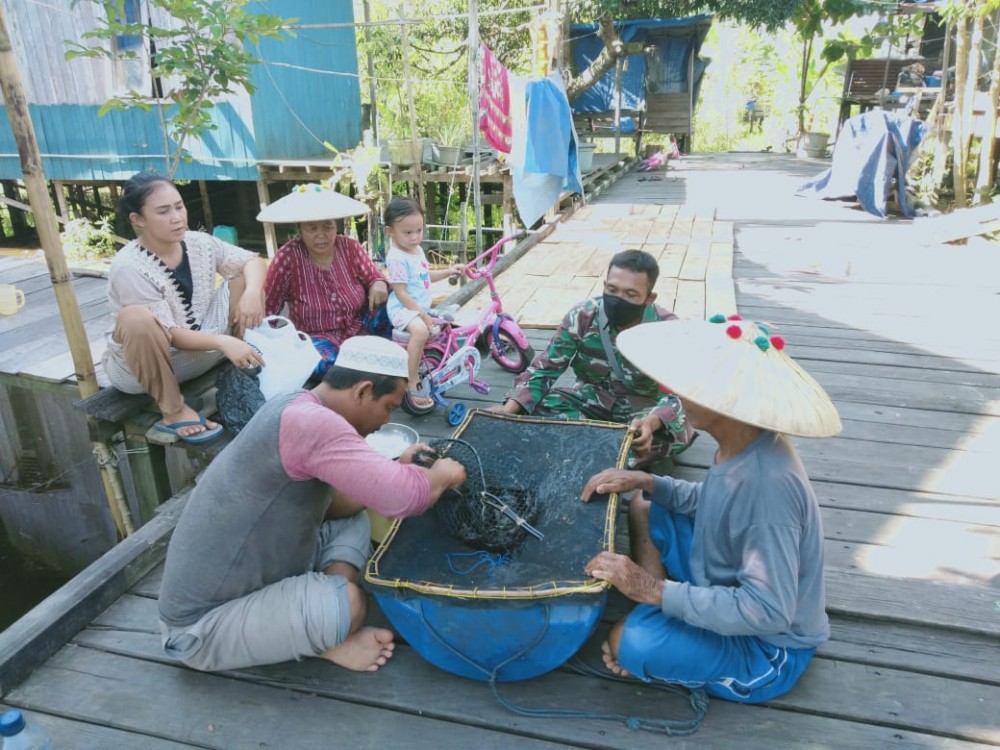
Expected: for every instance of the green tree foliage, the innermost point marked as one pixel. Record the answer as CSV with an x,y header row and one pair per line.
x,y
202,53
810,20
769,14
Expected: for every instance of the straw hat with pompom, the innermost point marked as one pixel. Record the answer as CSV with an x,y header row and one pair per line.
x,y
733,367
312,202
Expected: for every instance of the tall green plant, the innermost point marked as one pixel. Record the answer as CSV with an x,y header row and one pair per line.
x,y
200,55
815,18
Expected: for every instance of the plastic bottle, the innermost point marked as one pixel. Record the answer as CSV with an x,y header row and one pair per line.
x,y
17,734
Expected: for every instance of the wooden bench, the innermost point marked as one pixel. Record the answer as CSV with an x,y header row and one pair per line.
x,y
863,79
111,412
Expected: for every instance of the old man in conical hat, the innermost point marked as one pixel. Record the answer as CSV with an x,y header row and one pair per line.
x,y
727,572
325,280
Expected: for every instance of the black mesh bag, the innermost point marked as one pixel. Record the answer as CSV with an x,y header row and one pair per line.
x,y
491,509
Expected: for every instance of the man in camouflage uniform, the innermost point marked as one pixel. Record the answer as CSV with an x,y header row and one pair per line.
x,y
607,389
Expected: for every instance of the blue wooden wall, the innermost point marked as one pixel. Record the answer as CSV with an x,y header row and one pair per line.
x,y
291,113
295,110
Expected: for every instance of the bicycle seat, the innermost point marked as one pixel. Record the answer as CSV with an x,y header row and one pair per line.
x,y
403,336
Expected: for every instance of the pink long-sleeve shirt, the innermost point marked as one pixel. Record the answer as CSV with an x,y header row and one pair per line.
x,y
315,442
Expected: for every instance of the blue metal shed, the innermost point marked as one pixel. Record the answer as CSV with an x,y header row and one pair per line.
x,y
659,87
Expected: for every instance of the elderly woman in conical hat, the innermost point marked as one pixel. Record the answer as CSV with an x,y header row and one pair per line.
x,y
327,280
727,572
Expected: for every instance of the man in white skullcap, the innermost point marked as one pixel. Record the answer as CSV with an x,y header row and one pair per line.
x,y
265,561
727,572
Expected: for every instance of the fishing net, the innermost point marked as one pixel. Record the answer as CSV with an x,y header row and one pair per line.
x,y
489,511
537,468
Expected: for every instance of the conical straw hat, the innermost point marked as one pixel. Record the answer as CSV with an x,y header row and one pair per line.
x,y
735,368
312,202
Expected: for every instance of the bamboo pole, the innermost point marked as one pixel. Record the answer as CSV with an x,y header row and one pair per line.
x,y
477,195
62,280
371,69
418,172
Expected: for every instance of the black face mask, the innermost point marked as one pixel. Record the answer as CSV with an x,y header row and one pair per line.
x,y
621,313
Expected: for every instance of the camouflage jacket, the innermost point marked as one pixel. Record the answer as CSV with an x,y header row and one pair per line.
x,y
597,392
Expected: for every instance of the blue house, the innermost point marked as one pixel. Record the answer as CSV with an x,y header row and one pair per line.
x,y
307,93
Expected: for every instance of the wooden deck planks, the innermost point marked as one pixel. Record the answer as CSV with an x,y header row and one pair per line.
x,y
911,524
457,701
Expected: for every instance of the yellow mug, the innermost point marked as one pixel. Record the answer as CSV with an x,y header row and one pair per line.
x,y
11,299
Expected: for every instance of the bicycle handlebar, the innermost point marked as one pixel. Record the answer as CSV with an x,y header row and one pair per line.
x,y
472,268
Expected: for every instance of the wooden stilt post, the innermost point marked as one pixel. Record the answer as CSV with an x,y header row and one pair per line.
x,y
62,281
18,224
270,237
206,205
618,105
60,190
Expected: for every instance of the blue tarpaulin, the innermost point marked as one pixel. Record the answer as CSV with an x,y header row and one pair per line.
x,y
663,70
873,149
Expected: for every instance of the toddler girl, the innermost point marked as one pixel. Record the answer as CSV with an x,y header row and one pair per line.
x,y
410,278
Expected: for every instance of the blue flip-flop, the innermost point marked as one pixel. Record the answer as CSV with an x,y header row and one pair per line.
x,y
205,436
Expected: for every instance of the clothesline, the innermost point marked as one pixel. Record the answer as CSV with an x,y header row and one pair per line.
x,y
415,21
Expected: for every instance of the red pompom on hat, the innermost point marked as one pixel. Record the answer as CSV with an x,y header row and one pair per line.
x,y
734,332
778,342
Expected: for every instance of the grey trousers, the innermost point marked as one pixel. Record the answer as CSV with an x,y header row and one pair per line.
x,y
291,619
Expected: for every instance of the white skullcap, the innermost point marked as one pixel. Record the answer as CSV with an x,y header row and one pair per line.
x,y
374,355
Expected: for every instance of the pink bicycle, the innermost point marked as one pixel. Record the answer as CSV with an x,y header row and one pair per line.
x,y
452,357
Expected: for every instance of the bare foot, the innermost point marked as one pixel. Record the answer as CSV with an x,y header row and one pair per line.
x,y
363,651
611,662
187,414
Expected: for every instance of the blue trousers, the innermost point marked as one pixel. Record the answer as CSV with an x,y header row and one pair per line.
x,y
375,323
744,669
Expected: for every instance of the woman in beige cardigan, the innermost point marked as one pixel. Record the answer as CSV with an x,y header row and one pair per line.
x,y
172,323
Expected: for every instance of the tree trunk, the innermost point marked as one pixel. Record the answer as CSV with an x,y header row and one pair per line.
x,y
803,83
958,136
614,48
971,85
987,174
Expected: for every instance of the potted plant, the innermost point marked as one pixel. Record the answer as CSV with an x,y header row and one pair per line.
x,y
450,139
815,143
405,152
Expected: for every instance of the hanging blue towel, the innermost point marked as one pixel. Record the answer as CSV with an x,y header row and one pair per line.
x,y
550,159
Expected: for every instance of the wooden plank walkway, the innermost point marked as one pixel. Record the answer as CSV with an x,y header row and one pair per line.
x,y
32,341
903,342
695,254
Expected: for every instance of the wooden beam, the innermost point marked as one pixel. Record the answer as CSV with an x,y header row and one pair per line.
x,y
60,218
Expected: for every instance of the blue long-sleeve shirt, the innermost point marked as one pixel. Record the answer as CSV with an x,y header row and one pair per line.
x,y
757,552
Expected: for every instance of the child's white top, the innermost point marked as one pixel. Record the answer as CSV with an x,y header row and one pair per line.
x,y
410,269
